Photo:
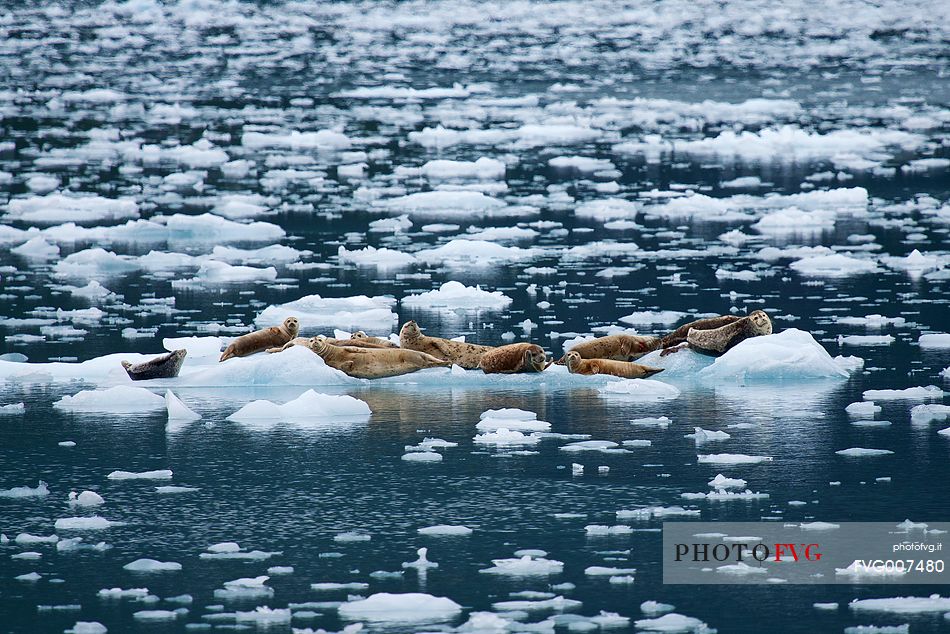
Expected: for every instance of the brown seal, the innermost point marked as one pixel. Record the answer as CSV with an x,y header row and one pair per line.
x,y
465,355
165,366
515,357
260,340
678,336
615,347
717,341
579,365
373,363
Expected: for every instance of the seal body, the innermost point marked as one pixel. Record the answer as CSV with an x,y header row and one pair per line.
x,y
364,342
515,357
465,355
374,363
361,339
165,366
261,340
578,365
678,336
717,341
615,347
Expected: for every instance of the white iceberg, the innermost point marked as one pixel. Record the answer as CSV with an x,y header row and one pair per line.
x,y
455,295
410,607
120,399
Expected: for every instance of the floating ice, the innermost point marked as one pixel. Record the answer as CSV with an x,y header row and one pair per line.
x,y
395,608
371,256
446,530
640,390
455,295
600,530
525,566
476,252
504,437
701,435
87,627
731,458
55,208
863,409
935,341
12,408
160,474
152,565
789,355
902,605
722,482
834,266
931,412
308,406
422,456
861,451
373,314
39,491
121,398
294,140
672,622
86,498
178,411
483,168
910,394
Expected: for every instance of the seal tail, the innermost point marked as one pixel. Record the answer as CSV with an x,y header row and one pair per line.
x,y
126,365
227,354
650,371
558,362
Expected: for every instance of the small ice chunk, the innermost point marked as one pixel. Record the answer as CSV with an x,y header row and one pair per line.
x,y
159,474
152,565
39,491
178,411
862,451
120,399
86,498
731,458
525,566
446,530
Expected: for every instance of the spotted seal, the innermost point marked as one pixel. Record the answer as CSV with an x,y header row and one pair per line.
x,y
373,363
515,357
465,355
616,347
579,365
166,366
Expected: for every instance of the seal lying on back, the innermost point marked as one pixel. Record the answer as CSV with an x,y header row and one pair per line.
x,y
358,339
678,336
261,340
166,366
615,347
578,365
515,357
717,341
465,355
373,363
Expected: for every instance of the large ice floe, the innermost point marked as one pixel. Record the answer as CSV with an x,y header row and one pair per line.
x,y
373,314
790,355
412,607
310,408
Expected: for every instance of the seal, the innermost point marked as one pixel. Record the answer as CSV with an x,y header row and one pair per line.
x,y
360,338
373,363
678,336
359,342
576,364
515,357
717,341
615,347
261,340
465,355
165,366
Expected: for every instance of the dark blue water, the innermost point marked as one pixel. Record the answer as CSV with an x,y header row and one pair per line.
x,y
183,72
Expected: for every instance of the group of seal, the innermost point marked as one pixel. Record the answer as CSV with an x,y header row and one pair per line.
x,y
367,357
